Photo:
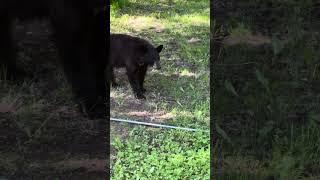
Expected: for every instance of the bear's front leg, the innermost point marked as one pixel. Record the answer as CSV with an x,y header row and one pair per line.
x,y
142,73
113,79
133,77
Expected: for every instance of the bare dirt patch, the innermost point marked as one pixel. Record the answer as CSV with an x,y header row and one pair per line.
x,y
139,24
253,40
124,105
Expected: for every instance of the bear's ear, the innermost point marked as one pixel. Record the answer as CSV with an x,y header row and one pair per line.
x,y
159,48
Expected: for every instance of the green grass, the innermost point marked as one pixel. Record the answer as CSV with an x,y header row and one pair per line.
x,y
180,89
157,154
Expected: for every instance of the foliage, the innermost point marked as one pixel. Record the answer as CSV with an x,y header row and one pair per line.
x,y
119,4
159,154
267,100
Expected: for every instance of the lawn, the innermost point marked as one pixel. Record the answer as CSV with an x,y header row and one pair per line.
x,y
178,94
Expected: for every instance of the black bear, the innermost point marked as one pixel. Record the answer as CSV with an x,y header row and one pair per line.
x,y
136,55
79,29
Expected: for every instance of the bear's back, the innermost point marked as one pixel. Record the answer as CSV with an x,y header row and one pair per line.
x,y
125,49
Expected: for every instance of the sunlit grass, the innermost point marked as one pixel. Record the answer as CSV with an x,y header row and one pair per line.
x,y
180,91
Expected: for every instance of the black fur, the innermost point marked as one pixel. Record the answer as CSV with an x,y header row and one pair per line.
x,y
136,55
80,36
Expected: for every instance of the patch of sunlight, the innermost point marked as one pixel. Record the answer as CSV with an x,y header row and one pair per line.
x,y
116,94
186,72
180,113
119,24
183,73
137,23
195,19
154,116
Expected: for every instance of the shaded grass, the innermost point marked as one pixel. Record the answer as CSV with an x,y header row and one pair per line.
x,y
267,108
40,124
